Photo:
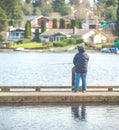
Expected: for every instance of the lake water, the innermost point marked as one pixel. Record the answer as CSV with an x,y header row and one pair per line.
x,y
33,68
61,117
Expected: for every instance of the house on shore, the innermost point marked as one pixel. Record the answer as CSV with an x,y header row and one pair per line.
x,y
16,34
37,20
91,35
88,35
56,35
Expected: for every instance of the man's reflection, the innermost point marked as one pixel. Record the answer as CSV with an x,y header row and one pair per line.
x,y
79,112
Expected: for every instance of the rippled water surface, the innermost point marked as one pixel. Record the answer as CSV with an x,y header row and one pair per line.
x,y
30,68
63,117
21,68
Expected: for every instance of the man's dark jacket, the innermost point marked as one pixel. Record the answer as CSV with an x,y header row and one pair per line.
x,y
81,60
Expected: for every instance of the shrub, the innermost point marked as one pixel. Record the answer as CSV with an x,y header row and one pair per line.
x,y
5,44
79,40
60,44
70,41
19,42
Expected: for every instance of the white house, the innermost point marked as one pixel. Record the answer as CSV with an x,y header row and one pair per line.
x,y
84,33
99,38
16,34
55,35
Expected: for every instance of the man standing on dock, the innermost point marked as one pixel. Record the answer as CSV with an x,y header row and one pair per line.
x,y
80,61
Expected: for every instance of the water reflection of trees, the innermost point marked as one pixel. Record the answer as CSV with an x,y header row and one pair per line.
x,y
79,112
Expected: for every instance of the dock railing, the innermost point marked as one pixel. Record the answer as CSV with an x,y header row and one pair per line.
x,y
57,88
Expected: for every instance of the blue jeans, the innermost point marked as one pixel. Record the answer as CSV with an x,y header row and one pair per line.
x,y
79,76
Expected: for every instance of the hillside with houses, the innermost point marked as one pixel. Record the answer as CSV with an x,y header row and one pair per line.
x,y
82,22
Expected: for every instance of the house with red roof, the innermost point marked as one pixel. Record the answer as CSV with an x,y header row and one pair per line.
x,y
37,20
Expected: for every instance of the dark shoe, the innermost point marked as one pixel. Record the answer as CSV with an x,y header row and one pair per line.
x,y
75,91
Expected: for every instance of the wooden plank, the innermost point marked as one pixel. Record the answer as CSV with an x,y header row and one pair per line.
x,y
56,86
38,88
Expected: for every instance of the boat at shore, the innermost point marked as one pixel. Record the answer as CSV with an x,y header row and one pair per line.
x,y
114,50
19,49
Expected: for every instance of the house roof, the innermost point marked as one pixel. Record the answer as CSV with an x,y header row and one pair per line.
x,y
21,29
99,32
82,31
66,31
17,29
61,31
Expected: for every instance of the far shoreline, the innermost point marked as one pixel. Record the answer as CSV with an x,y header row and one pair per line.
x,y
47,50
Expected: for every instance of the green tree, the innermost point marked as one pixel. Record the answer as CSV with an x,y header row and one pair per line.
x,y
28,1
37,35
36,11
54,23
73,2
13,9
80,24
62,23
72,23
60,6
28,32
3,20
43,26
28,9
44,6
117,22
3,23
76,23
65,11
106,9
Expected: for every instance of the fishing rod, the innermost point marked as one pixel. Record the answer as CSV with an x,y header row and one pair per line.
x,y
58,64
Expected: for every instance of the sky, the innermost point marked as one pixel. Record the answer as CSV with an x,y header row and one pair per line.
x,y
91,2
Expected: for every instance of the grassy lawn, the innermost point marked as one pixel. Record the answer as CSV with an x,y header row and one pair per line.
x,y
41,46
28,46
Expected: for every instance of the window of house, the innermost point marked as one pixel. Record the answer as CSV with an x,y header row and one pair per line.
x,y
17,34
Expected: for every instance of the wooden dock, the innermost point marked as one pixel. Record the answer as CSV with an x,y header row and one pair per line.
x,y
58,94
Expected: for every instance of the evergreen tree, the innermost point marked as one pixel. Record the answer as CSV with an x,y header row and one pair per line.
x,y
54,23
13,9
28,32
117,22
44,6
73,2
62,23
76,23
80,24
28,1
28,9
37,35
72,23
43,26
106,9
3,20
60,6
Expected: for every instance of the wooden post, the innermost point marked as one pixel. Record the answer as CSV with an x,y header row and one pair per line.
x,y
110,89
5,89
37,89
73,76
